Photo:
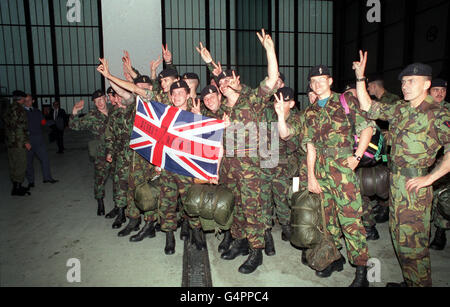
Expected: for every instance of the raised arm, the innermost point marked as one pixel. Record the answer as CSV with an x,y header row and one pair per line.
x,y
120,91
363,95
272,63
127,64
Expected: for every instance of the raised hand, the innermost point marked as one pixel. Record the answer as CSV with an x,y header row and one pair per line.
x,y
360,67
196,107
206,56
226,120
279,105
167,55
103,68
234,82
217,69
78,107
126,73
265,40
155,63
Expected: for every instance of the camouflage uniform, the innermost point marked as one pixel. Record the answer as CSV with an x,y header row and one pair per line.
x,y
280,177
16,136
95,122
244,175
417,135
329,130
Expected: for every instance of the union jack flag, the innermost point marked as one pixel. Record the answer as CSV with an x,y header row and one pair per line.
x,y
176,140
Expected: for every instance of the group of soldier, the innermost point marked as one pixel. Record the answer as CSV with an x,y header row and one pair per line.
x,y
319,141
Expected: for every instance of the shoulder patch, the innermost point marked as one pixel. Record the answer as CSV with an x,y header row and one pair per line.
x,y
447,123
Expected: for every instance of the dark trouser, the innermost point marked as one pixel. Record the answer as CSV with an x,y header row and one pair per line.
x,y
17,164
38,149
60,139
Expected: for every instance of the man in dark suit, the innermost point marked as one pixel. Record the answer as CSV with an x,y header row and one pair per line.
x,y
59,118
35,122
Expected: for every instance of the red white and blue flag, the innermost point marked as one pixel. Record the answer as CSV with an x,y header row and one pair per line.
x,y
176,140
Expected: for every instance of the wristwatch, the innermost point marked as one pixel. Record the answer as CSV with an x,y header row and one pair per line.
x,y
363,79
357,157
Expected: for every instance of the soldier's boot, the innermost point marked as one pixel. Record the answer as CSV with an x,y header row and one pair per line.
x,y
100,207
184,232
133,225
113,213
148,231
360,280
170,243
269,248
439,240
226,242
372,233
382,215
120,219
158,227
19,190
286,232
253,261
304,261
198,238
239,247
336,266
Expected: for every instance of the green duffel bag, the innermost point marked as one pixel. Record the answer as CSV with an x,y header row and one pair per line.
x,y
305,219
374,181
146,195
444,202
208,225
210,202
93,148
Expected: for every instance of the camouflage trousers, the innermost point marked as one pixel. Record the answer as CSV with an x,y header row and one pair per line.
x,y
250,218
277,201
102,170
172,187
409,224
122,161
438,219
140,171
343,207
17,158
368,217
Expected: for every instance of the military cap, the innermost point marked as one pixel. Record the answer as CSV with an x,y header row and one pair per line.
x,y
350,86
209,89
288,93
225,74
190,75
19,94
97,94
438,83
179,84
416,69
168,72
143,79
111,91
319,70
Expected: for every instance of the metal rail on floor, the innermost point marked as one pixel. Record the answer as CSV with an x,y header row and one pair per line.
x,y
196,268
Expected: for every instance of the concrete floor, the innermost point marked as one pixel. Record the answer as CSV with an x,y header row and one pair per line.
x,y
39,233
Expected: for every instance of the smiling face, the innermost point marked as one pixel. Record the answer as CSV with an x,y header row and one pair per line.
x,y
167,82
414,87
212,102
179,97
438,93
100,103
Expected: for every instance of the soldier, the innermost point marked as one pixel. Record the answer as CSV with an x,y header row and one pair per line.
x,y
95,121
419,128
376,88
244,175
331,162
17,142
192,81
438,91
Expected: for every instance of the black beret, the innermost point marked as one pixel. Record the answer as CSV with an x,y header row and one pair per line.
x,y
111,91
319,70
350,86
190,75
209,89
416,69
168,72
225,74
438,83
288,93
143,79
97,94
179,84
19,94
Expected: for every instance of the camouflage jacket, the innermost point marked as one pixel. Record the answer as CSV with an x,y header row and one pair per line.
x,y
445,104
417,133
329,127
16,126
388,98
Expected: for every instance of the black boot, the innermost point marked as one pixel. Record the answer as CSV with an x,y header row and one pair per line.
x,y
133,225
113,213
120,219
269,248
360,280
198,238
19,190
184,232
148,231
304,261
170,243
337,266
382,215
439,240
239,247
254,260
100,207
226,242
372,233
286,232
